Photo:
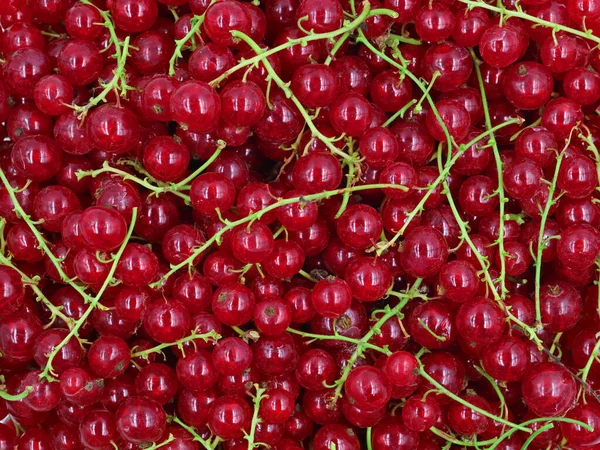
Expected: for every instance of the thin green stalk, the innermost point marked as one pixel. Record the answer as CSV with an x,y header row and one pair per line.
x,y
93,302
15,398
119,73
108,24
490,131
498,160
164,443
541,243
338,337
40,237
195,25
400,113
447,168
289,94
350,180
183,184
33,284
485,265
586,370
508,13
512,431
339,383
536,433
261,57
196,436
258,397
159,348
456,441
462,401
336,47
156,190
257,215
495,386
369,438
395,38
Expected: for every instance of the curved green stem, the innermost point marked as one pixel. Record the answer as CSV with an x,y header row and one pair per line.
x,y
258,397
462,401
395,38
40,238
338,337
510,432
289,94
164,443
257,215
456,441
536,433
339,383
260,57
508,13
56,312
586,370
15,398
118,78
541,245
498,160
197,437
195,25
183,184
159,348
93,302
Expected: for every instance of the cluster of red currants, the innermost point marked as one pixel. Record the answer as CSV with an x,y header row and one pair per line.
x,y
299,224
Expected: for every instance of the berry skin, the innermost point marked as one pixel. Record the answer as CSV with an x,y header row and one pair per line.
x,y
548,389
266,225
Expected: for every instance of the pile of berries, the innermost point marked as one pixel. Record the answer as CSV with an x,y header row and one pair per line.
x,y
299,224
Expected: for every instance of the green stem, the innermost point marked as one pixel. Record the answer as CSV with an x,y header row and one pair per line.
x,y
395,38
191,430
164,443
119,73
263,54
40,238
510,432
508,13
257,215
495,386
157,190
399,113
453,440
56,312
93,302
369,438
536,433
289,94
541,243
195,25
492,130
159,348
338,337
586,370
369,334
108,24
349,182
498,160
15,398
183,184
485,264
258,397
336,47
462,401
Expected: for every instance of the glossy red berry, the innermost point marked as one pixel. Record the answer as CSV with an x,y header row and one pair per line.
x,y
548,389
